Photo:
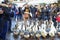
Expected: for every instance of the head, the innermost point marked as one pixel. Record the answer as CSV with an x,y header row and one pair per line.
x,y
9,5
55,4
38,13
26,15
52,5
45,7
42,6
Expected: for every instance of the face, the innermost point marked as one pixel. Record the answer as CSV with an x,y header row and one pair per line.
x,y
45,8
42,6
9,5
52,6
55,5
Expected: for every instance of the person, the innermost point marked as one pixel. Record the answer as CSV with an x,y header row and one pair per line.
x,y
3,23
52,30
26,16
38,15
20,12
15,12
58,19
33,10
53,13
9,14
42,12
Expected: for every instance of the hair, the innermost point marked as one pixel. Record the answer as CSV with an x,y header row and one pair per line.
x,y
26,9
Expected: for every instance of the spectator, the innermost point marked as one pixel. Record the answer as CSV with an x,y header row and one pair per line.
x,y
58,19
20,12
9,13
3,23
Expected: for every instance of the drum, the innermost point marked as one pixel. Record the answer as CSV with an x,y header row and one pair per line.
x,y
58,32
43,33
16,34
51,34
21,33
32,34
38,34
26,34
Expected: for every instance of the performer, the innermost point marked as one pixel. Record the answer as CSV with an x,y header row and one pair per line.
x,y
52,31
43,29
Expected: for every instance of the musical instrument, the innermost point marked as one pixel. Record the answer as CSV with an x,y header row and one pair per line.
x,y
33,29
26,34
16,31
51,34
38,34
43,33
58,32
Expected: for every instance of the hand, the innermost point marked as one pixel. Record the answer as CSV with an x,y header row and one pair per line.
x,y
1,11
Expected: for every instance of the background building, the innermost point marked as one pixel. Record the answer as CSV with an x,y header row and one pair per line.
x,y
45,1
1,1
21,2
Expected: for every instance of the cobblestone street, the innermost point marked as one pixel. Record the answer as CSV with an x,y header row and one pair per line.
x,y
10,37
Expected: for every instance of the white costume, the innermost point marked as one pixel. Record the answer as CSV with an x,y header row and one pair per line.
x,y
43,32
52,31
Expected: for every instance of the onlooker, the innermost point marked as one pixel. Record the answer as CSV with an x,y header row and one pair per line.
x,y
58,19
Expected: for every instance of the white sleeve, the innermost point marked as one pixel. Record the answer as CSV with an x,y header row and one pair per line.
x,y
30,14
23,8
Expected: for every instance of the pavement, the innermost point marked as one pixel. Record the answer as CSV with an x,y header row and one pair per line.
x,y
11,37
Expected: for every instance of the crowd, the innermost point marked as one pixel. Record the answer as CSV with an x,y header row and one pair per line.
x,y
41,12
